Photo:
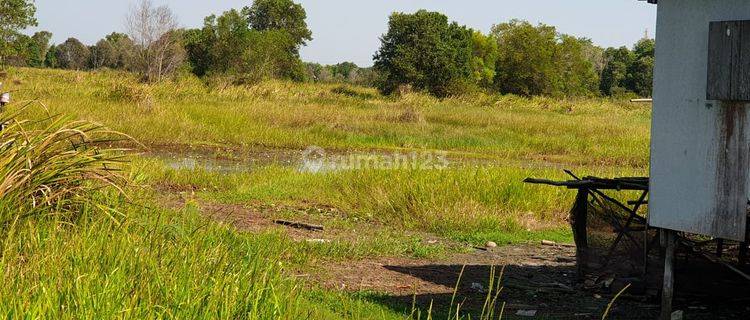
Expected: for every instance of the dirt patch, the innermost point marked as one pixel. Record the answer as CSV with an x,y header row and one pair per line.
x,y
534,277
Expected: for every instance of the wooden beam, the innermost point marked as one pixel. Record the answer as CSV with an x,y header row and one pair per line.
x,y
579,221
667,294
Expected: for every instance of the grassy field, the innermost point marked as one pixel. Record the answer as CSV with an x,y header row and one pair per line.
x,y
160,254
291,115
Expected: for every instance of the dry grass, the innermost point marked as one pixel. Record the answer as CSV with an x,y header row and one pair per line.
x,y
586,131
54,166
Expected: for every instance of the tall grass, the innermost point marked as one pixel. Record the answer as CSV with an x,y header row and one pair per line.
x,y
154,264
54,166
187,112
464,203
60,258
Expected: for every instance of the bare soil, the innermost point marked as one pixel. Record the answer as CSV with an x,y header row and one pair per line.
x,y
534,277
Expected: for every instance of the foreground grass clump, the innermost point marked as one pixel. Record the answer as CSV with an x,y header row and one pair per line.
x,y
187,112
53,166
152,264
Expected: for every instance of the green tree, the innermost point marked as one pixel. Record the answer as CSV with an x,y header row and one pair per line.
x,y
578,74
50,60
227,45
537,60
22,49
615,73
15,15
526,58
103,54
124,49
640,73
484,60
286,15
344,71
40,46
425,51
72,54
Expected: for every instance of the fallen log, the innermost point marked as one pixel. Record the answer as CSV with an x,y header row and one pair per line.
x,y
299,225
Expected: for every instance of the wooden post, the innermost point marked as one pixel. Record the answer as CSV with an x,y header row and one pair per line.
x,y
742,256
579,221
667,294
719,247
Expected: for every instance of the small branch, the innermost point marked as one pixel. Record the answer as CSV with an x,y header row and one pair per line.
x,y
299,225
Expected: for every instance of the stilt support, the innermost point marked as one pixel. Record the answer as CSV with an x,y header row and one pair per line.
x,y
667,294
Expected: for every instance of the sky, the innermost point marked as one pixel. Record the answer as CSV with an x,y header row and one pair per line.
x,y
349,30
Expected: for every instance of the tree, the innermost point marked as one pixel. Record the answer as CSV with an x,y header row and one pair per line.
x,y
124,50
158,51
484,60
615,73
40,47
72,54
227,45
21,48
537,60
526,58
15,15
284,15
344,71
50,60
578,74
641,70
103,54
425,51
629,71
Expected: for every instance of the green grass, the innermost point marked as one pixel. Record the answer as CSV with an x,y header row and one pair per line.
x,y
149,260
158,264
465,204
586,131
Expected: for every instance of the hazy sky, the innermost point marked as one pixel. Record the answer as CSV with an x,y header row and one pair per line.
x,y
349,30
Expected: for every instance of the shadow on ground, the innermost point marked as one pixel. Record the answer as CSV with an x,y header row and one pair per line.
x,y
552,293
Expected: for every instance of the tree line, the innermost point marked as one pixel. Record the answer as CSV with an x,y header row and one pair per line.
x,y
422,51
426,51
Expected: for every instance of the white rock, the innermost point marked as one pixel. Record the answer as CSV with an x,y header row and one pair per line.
x,y
491,244
477,287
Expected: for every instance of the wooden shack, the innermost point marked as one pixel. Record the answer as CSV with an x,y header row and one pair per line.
x,y
699,148
698,194
700,145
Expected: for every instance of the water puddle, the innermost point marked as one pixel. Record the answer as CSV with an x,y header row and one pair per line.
x,y
318,160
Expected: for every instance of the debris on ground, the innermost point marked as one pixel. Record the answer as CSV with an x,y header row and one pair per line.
x,y
299,225
318,241
526,313
478,287
555,244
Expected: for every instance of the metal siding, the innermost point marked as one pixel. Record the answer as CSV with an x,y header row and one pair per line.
x,y
686,180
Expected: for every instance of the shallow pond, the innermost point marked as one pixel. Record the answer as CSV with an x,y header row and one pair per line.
x,y
315,159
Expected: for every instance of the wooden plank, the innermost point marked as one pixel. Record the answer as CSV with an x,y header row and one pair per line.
x,y
741,76
733,160
721,39
667,295
729,61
